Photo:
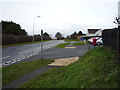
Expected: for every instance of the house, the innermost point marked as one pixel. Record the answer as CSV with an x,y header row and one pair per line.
x,y
91,32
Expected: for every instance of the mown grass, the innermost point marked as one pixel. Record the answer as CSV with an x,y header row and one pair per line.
x,y
98,68
79,43
69,40
13,72
62,45
23,43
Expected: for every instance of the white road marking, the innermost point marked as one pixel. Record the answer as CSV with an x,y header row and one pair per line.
x,y
0,65
23,58
25,52
36,53
31,55
8,62
21,52
13,62
5,57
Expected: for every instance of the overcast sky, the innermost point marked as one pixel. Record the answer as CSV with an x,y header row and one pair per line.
x,y
65,16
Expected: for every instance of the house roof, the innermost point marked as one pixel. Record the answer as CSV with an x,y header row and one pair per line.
x,y
92,31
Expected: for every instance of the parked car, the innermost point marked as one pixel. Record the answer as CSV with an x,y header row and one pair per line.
x,y
91,39
99,41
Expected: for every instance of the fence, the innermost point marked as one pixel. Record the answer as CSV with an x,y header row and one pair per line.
x,y
111,39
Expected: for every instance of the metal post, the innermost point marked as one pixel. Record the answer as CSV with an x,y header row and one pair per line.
x,y
41,43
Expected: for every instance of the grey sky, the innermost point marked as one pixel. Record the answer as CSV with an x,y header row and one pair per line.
x,y
65,16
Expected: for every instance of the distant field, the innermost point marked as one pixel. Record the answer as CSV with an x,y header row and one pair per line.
x,y
99,68
13,72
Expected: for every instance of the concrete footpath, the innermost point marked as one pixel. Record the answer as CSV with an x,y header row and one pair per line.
x,y
62,56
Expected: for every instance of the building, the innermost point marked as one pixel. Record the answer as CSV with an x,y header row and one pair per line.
x,y
94,32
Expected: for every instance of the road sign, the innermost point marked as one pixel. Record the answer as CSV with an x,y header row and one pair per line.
x,y
41,32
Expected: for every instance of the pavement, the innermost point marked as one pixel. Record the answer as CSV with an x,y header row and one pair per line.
x,y
56,53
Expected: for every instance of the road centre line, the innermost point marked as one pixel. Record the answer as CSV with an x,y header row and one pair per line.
x,y
5,57
25,52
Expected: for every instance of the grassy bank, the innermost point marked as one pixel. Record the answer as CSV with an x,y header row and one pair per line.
x,y
13,72
23,43
62,45
69,40
79,43
99,68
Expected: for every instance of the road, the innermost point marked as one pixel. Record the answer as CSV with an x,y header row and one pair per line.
x,y
15,54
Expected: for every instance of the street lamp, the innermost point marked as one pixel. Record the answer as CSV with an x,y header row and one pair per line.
x,y
33,25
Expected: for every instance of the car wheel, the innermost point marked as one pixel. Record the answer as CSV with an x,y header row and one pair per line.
x,y
98,43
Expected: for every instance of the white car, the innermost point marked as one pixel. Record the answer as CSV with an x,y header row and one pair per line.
x,y
91,39
100,41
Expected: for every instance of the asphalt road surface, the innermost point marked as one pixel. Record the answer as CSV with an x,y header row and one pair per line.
x,y
11,55
55,52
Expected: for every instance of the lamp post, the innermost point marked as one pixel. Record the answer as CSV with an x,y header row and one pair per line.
x,y
34,25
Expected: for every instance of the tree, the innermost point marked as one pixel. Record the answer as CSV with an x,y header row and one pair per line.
x,y
46,36
74,35
12,28
80,33
58,35
68,37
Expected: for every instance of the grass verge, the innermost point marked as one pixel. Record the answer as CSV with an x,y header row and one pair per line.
x,y
69,40
79,43
23,43
62,45
13,72
98,68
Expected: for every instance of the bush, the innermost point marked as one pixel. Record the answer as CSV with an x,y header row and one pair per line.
x,y
12,39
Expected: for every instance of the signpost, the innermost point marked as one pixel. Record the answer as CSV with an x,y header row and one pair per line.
x,y
119,26
41,42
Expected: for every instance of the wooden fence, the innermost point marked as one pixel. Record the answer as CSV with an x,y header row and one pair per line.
x,y
111,39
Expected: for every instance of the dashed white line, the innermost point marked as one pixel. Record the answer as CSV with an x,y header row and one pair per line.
x,y
25,52
21,52
5,57
31,55
13,61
